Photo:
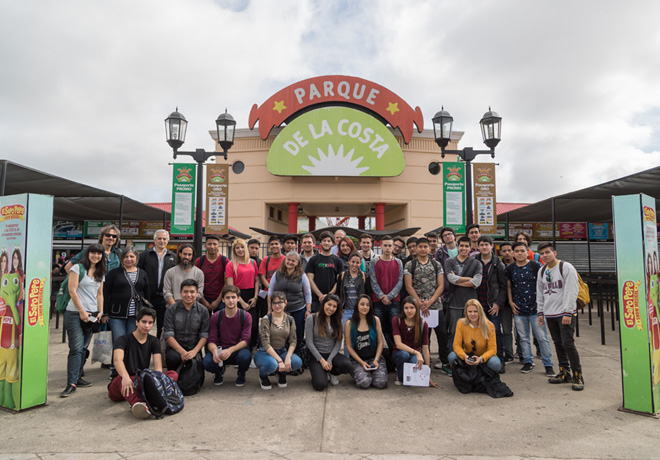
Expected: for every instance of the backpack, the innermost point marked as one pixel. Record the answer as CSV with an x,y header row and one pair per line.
x,y
241,316
202,259
536,267
436,266
63,296
191,376
161,394
583,297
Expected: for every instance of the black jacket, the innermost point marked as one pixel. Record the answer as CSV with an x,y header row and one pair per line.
x,y
342,280
148,262
117,292
478,379
496,282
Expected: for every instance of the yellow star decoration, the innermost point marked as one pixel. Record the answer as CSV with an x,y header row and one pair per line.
x,y
279,106
393,108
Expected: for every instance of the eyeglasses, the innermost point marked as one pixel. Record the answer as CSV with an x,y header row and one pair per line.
x,y
110,235
547,276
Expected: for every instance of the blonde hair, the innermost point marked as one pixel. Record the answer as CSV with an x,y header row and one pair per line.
x,y
246,254
482,321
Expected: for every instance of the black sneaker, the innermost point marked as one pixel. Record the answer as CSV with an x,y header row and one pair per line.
x,y
219,379
68,391
240,380
281,380
265,383
82,383
508,359
527,368
578,381
564,376
503,368
549,371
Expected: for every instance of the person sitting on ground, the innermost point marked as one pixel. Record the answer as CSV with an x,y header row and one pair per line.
x,y
229,339
133,352
411,339
364,343
474,339
277,332
323,335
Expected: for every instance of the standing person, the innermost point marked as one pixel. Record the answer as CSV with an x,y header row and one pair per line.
x,y
411,244
346,247
278,334
155,262
307,244
212,264
339,235
290,243
186,329
364,343
243,273
322,270
84,308
556,301
133,352
491,293
109,238
386,282
506,254
474,338
521,289
425,283
229,339
271,263
323,336
411,339
254,246
183,270
433,243
368,256
446,251
397,249
525,238
473,233
351,284
464,274
291,280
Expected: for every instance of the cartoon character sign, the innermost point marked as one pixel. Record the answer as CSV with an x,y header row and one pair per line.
x,y
11,311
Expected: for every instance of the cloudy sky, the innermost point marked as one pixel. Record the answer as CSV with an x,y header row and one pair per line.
x,y
85,85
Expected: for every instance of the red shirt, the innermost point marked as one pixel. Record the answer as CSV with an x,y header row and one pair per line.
x,y
408,334
273,265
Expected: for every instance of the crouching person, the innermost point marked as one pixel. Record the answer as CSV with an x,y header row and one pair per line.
x,y
133,352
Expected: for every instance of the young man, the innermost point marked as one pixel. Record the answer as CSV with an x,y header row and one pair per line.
x,y
464,274
473,233
521,291
556,300
525,238
492,290
308,251
229,339
411,244
433,243
213,266
133,352
254,246
339,235
506,254
322,270
424,281
446,251
186,329
156,262
290,244
397,249
366,253
386,281
182,271
271,263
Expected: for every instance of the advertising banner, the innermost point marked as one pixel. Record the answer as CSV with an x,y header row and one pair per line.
x,y
637,274
573,231
484,197
24,298
183,199
217,194
543,231
453,188
517,227
599,231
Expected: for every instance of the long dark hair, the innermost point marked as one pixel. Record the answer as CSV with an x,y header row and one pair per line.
x,y
335,320
19,269
371,322
99,271
417,319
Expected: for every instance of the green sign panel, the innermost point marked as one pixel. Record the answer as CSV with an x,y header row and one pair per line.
x,y
183,199
335,141
453,180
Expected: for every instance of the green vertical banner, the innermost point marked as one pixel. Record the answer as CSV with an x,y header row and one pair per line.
x,y
25,248
636,243
454,196
183,199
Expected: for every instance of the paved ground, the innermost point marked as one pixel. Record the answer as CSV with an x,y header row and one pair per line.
x,y
540,421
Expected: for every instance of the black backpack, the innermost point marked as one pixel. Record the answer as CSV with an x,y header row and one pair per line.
x,y
191,376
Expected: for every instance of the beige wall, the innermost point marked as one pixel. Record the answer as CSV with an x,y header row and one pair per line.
x,y
413,199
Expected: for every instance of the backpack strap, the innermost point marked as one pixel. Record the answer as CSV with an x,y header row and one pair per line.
x,y
561,268
201,261
241,316
413,268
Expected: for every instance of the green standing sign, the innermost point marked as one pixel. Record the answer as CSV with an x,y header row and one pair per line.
x,y
453,197
183,199
636,242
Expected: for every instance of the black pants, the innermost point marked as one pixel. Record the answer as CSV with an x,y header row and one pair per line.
x,y
255,313
441,337
340,365
172,359
563,335
158,301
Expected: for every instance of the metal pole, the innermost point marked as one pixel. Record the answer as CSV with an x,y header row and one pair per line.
x,y
121,217
197,240
589,248
554,236
468,195
3,178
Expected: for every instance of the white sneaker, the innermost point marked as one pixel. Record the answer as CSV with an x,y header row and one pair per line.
x,y
252,365
438,365
398,382
140,410
334,380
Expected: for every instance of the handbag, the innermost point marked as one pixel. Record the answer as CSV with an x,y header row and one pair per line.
x,y
102,346
140,302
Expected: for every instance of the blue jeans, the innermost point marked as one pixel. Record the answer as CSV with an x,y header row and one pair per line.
x,y
346,315
79,340
121,327
493,363
386,313
267,364
242,357
298,318
541,335
400,357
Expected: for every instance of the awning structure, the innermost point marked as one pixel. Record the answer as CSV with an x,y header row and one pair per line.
x,y
354,232
73,200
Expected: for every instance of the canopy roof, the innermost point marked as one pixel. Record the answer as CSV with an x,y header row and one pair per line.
x,y
592,204
73,200
354,232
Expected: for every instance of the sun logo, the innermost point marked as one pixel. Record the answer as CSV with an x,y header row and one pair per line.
x,y
335,164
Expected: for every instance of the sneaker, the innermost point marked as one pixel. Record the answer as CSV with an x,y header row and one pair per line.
x,y
297,373
398,382
82,383
508,359
503,368
240,380
281,380
219,379
334,380
578,381
549,371
140,410
67,391
446,369
437,365
564,376
527,368
252,365
265,383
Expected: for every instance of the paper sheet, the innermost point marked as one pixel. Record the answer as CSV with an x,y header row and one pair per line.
x,y
414,377
433,319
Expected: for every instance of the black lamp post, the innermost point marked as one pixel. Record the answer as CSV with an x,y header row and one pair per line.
x,y
175,132
491,129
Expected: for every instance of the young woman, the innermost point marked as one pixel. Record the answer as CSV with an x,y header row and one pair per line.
x,y
364,342
243,273
474,341
351,284
86,302
346,248
411,339
291,280
323,336
277,331
17,263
